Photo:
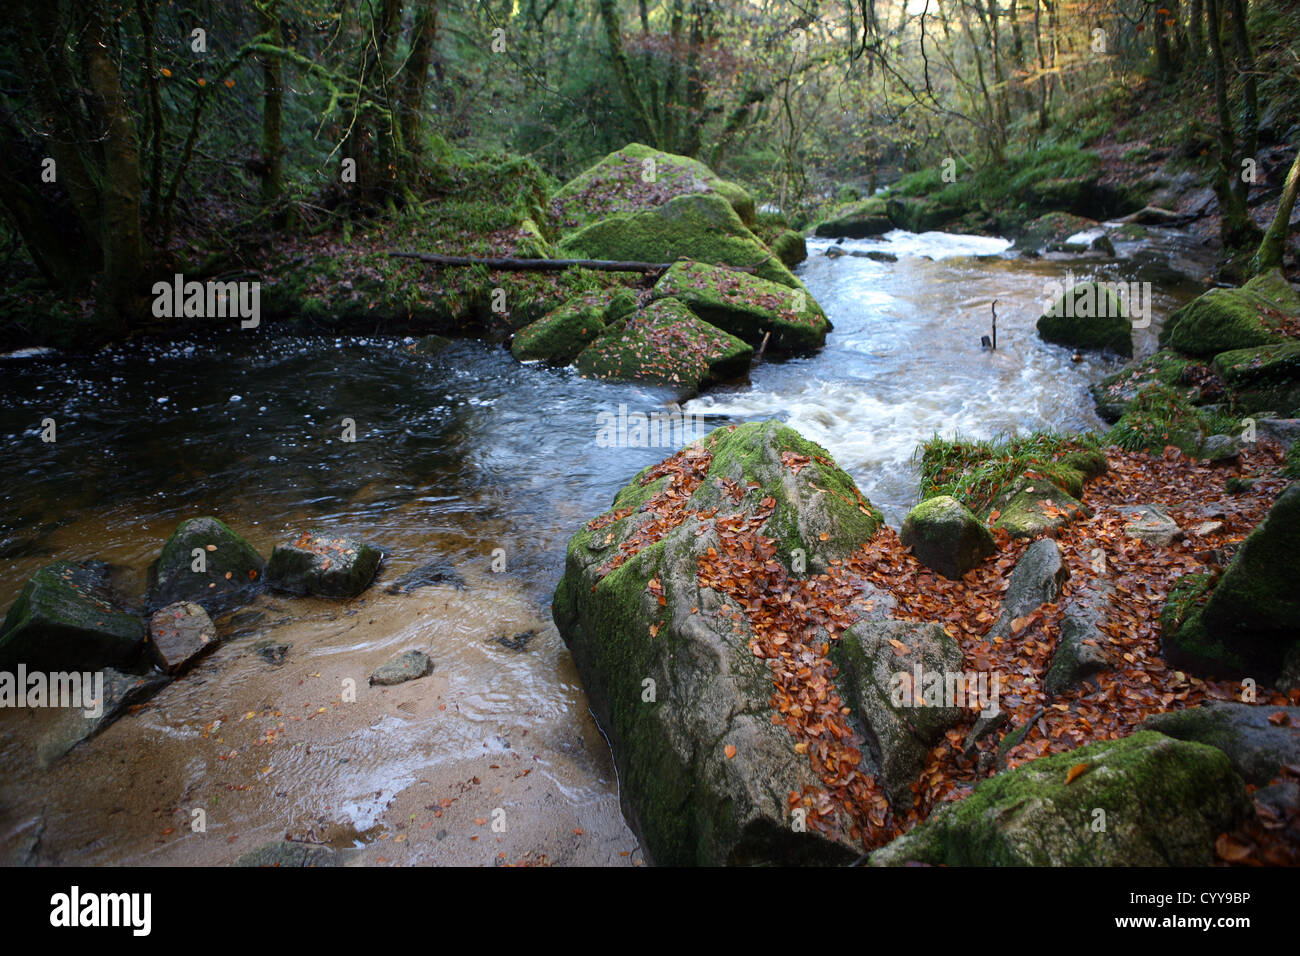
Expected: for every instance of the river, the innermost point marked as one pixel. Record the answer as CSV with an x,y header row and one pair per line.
x,y
460,457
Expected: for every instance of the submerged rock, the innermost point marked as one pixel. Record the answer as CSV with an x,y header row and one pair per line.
x,y
435,572
746,306
120,691
945,535
68,618
665,658
700,227
318,564
179,634
665,344
1144,800
206,562
1088,316
1257,738
289,854
409,665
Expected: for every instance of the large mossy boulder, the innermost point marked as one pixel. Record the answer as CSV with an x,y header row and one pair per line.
x,y
1258,738
1030,507
945,535
1224,320
1263,377
790,247
322,565
639,177
858,220
207,562
920,213
1252,616
1162,802
1052,230
559,335
700,227
665,344
746,306
1115,393
1088,316
66,618
663,648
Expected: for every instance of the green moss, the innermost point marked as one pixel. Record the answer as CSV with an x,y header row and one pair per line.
x,y
560,335
790,248
977,472
1088,316
1160,416
1115,393
1262,365
747,306
700,227
868,217
1224,320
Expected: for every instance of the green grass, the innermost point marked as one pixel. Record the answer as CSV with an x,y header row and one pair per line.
x,y
1160,416
975,472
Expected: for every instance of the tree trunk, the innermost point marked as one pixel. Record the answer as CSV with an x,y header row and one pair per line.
x,y
623,70
268,22
415,78
1273,246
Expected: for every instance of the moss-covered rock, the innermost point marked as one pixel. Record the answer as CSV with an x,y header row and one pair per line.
x,y
858,220
324,565
746,306
1223,320
671,680
1256,606
665,344
790,248
560,335
1051,229
639,177
700,227
207,562
1163,802
1088,316
1116,392
945,535
1263,365
1033,507
1256,746
921,214
68,618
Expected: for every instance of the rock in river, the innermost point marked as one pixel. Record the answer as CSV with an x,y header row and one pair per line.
x,y
315,563
205,561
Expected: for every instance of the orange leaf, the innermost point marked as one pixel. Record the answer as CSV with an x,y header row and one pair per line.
x,y
1075,772
731,751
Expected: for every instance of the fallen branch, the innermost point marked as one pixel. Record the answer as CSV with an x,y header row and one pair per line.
x,y
511,264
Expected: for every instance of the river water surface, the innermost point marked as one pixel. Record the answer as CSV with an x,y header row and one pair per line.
x,y
460,457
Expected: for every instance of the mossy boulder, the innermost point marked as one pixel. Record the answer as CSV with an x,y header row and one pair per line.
x,y
68,617
1224,320
665,344
945,535
1263,365
665,658
1088,316
1031,507
324,565
560,335
1257,746
1052,229
1115,393
637,178
746,306
859,220
1255,608
790,248
1165,802
207,562
700,227
921,214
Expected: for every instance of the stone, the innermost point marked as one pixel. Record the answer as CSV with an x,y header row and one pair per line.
x,y
1034,507
1165,802
901,728
1224,320
318,564
1088,316
179,634
409,665
858,220
746,306
1258,738
516,642
1078,653
1150,523
946,536
75,725
226,575
665,344
704,773
426,575
1036,580
271,651
1220,448
289,854
559,335
67,617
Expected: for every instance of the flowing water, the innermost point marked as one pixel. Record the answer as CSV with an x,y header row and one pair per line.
x,y
462,458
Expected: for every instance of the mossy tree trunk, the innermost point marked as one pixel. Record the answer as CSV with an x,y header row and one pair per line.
x,y
268,24
1273,246
415,76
